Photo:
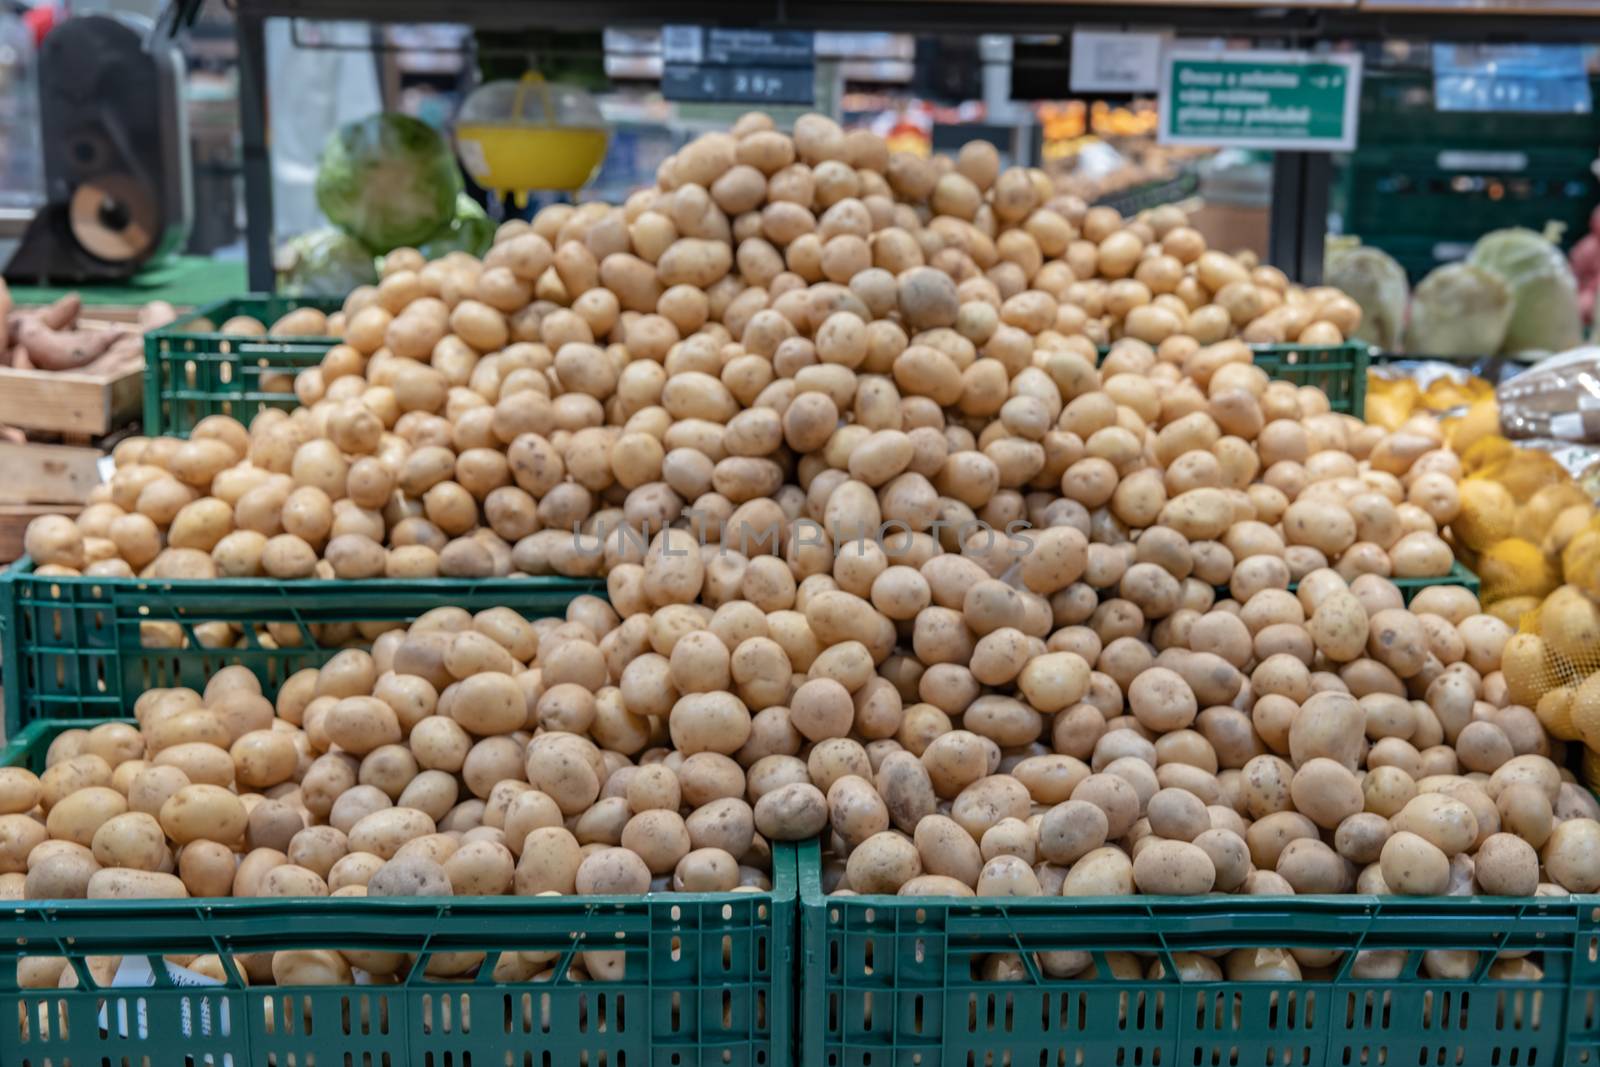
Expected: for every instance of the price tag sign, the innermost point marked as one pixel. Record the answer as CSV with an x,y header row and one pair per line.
x,y
703,64
1115,62
738,85
1292,101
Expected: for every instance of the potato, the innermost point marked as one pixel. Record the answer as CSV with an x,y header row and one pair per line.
x,y
309,967
706,870
113,883
63,876
1101,872
410,876
1173,868
19,790
612,871
203,811
480,868
1570,856
1414,866
1506,865
78,816
792,812
883,863
134,840
1446,823
1326,791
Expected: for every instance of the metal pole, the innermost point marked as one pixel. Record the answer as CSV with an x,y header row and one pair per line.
x,y
1299,214
250,30
1318,177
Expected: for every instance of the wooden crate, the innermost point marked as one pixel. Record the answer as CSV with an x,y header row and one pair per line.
x,y
42,480
68,402
48,474
75,403
14,519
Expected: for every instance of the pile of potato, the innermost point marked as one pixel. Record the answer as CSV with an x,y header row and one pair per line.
x,y
892,553
1324,741
467,755
951,734
780,318
1313,742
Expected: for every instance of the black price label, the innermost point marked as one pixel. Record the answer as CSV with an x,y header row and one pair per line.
x,y
738,85
704,64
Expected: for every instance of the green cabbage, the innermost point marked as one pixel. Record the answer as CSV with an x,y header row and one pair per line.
x,y
470,231
1458,310
1374,280
324,262
388,181
1544,294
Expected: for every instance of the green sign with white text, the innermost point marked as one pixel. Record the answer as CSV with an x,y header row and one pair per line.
x,y
1287,100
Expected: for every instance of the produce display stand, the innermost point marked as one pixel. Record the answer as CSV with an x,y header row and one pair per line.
x,y
192,371
84,648
892,980
1338,370
708,977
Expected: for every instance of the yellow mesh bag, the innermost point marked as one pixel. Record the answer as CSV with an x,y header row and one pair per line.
x,y
1535,517
1515,568
1481,422
1591,766
1488,511
1525,471
1586,710
1511,610
1483,451
1555,712
1553,664
1580,558
1567,525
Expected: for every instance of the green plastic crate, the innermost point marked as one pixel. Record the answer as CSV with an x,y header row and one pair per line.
x,y
709,979
1397,108
1410,587
72,647
890,982
1153,194
1426,204
190,374
1338,370
1459,575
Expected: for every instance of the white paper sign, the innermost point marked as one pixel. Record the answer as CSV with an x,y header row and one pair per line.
x,y
682,44
1115,62
134,971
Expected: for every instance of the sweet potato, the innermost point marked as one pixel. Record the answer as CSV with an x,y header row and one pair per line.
x,y
53,349
60,314
125,353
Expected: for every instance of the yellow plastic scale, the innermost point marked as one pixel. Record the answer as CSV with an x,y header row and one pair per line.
x,y
517,155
